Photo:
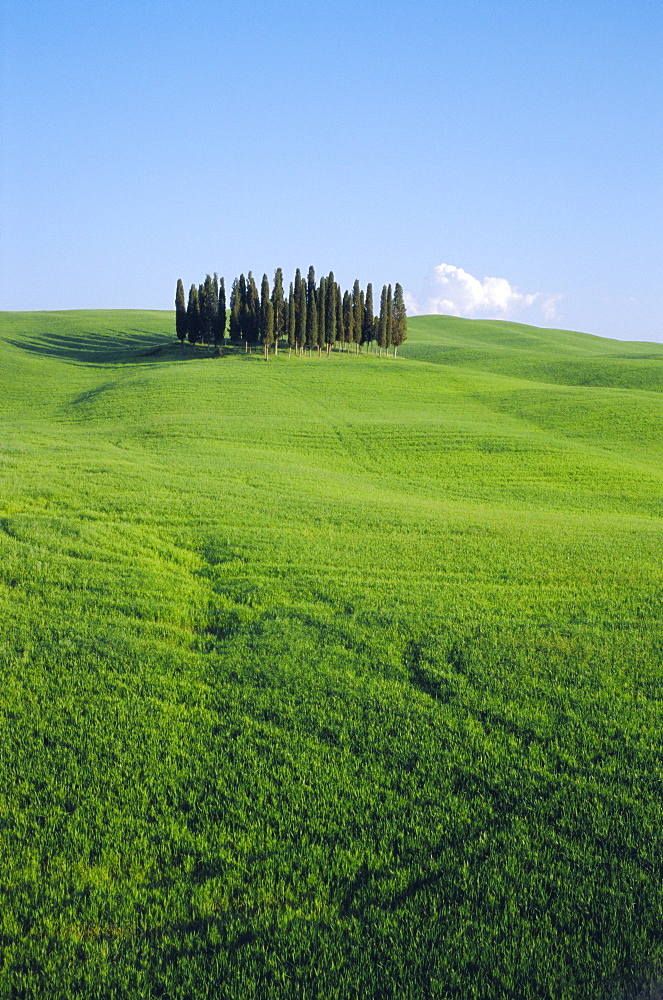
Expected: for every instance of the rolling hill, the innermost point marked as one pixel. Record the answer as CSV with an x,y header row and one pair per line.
x,y
329,678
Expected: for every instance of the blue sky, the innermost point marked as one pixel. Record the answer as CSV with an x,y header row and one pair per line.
x,y
430,143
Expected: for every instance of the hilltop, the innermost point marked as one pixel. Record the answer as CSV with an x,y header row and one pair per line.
x,y
330,677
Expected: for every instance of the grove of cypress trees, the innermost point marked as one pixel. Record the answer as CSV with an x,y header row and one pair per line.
x,y
311,316
180,312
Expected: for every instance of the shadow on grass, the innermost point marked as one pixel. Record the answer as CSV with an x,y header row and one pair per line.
x,y
129,347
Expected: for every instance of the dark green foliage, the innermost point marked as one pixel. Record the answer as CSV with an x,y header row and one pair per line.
x,y
280,319
382,321
193,316
209,309
235,328
330,312
322,313
329,315
268,328
244,317
389,323
180,311
292,318
339,333
356,314
300,312
367,330
399,319
220,325
311,311
348,318
249,311
252,310
264,299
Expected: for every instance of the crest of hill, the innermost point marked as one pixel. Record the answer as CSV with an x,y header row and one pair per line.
x,y
533,353
512,350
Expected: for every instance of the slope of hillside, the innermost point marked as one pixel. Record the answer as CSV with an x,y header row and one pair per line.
x,y
549,356
329,678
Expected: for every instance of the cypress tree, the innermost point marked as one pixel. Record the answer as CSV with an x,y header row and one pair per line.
x,y
252,310
339,316
220,325
330,312
322,313
356,314
193,316
180,312
244,320
209,307
361,303
399,319
215,301
290,311
300,310
264,299
201,296
367,329
235,331
279,308
243,311
347,319
382,323
268,329
311,311
390,307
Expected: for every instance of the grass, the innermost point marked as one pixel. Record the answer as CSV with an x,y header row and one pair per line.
x,y
329,678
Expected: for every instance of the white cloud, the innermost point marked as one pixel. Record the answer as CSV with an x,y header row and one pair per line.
x,y
452,291
549,306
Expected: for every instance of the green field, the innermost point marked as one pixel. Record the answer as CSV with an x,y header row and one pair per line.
x,y
329,678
